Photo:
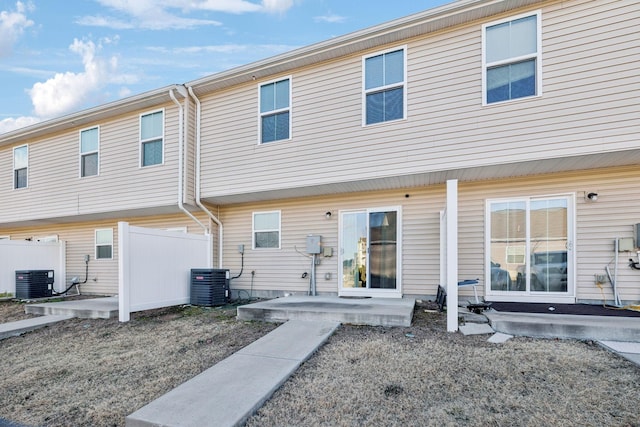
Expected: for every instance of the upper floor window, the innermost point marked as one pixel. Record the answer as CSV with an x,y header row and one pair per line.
x,y
20,166
266,230
384,86
151,138
275,110
512,63
89,147
104,243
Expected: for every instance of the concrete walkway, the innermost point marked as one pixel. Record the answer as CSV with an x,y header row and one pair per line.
x,y
19,327
228,393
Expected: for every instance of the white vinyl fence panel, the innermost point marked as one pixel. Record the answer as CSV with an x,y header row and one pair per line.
x,y
27,255
155,267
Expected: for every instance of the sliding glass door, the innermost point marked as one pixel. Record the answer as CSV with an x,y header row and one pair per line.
x,y
529,248
370,252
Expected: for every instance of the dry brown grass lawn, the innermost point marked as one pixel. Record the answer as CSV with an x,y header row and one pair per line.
x,y
95,372
423,376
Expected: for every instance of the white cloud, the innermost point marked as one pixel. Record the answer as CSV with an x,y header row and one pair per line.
x,y
330,18
67,91
12,26
277,6
9,124
170,14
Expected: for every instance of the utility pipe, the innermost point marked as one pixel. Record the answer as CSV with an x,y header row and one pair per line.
x,y
198,169
180,158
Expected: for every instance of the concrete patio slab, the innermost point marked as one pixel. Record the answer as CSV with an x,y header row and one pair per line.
x,y
566,326
94,308
228,393
356,311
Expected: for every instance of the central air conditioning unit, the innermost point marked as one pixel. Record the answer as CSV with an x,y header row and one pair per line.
x,y
34,284
209,286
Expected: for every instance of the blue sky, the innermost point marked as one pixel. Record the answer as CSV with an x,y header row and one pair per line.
x,y
59,57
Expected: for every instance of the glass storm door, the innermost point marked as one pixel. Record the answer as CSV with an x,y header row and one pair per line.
x,y
369,252
530,249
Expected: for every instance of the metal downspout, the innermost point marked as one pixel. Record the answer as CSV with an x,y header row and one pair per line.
x,y
198,201
180,159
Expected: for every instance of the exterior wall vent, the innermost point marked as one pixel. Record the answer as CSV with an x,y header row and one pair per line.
x,y
34,284
209,286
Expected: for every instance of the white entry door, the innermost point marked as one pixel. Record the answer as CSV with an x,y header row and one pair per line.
x,y
370,244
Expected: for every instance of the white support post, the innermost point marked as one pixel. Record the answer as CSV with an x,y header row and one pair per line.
x,y
452,255
124,285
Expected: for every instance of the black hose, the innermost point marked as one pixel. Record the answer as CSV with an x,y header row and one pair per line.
x,y
86,277
241,267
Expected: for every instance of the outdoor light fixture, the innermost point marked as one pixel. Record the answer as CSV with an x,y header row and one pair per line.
x,y
592,197
328,215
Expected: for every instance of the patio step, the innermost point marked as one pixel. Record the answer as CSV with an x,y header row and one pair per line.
x,y
566,326
355,311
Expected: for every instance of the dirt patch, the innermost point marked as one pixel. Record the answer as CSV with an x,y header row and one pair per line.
x,y
425,376
95,372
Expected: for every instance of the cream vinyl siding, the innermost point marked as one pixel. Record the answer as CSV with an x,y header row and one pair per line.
x,y
80,241
597,223
56,190
281,269
586,101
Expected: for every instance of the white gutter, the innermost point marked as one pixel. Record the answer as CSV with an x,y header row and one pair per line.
x,y
180,157
197,160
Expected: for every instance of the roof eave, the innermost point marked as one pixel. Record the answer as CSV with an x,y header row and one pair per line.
x,y
89,116
432,20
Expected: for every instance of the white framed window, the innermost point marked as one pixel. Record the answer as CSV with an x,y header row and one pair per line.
x,y
152,138
511,60
275,110
89,151
266,230
104,243
20,166
384,86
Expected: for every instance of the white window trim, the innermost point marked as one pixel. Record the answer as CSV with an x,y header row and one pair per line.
x,y
95,243
403,84
572,289
14,167
7,237
253,229
537,56
140,153
281,110
97,151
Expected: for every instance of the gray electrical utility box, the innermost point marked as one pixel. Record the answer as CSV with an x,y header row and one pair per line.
x,y
313,244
